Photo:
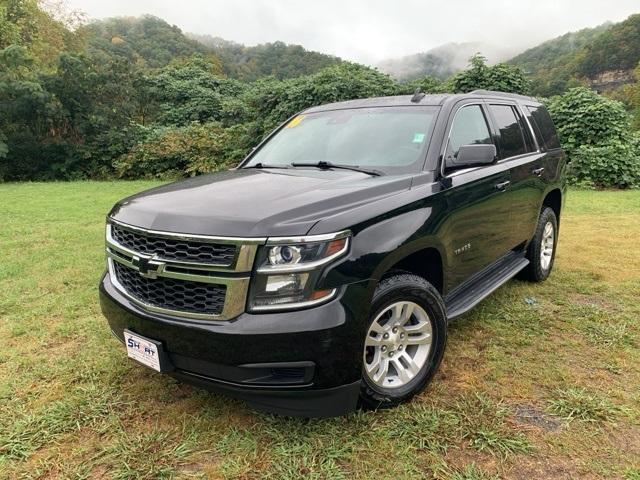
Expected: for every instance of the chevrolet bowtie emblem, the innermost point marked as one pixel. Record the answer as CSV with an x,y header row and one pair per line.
x,y
147,266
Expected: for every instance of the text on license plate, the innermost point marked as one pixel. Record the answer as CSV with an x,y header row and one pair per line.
x,y
142,350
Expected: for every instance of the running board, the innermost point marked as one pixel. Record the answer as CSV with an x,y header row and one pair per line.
x,y
473,291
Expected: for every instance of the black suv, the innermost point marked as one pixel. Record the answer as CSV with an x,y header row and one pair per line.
x,y
322,272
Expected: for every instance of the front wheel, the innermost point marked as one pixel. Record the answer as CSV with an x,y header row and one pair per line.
x,y
541,252
405,340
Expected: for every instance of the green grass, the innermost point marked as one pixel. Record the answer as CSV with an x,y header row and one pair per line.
x,y
73,406
578,404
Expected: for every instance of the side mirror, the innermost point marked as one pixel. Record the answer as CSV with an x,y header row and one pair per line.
x,y
472,156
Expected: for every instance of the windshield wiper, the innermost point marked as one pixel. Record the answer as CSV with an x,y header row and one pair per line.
x,y
264,165
328,165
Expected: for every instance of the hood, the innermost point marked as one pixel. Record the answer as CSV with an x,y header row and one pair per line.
x,y
253,202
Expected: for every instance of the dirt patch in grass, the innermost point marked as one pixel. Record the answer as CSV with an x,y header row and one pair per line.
x,y
594,301
537,417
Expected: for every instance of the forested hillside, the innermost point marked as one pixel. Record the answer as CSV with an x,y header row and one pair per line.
x,y
552,63
277,59
135,97
146,40
617,48
583,57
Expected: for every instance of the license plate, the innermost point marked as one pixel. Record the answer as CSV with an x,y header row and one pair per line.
x,y
143,350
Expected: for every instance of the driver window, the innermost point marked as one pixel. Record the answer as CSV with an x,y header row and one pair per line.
x,y
469,128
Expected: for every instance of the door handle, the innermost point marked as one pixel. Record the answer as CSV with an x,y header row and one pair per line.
x,y
538,171
502,185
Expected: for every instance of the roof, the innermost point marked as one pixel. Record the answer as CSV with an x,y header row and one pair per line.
x,y
405,100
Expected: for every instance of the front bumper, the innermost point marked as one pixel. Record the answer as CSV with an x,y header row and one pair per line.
x,y
302,363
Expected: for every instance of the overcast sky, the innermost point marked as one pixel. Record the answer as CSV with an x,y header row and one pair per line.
x,y
368,31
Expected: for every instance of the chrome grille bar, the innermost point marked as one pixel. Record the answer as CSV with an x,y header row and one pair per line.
x,y
153,266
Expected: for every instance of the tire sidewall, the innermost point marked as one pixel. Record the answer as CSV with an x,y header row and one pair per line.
x,y
415,289
546,216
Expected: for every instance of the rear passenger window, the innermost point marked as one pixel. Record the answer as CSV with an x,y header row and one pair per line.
x,y
511,141
543,126
469,128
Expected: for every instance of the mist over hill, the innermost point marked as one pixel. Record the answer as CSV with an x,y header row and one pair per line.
x,y
442,61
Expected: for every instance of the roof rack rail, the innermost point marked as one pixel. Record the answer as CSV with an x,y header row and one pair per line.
x,y
494,93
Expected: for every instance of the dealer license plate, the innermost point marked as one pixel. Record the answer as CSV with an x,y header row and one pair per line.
x,y
142,350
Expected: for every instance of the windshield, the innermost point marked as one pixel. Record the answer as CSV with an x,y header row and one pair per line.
x,y
390,139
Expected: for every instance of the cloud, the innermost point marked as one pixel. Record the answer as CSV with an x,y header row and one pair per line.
x,y
369,31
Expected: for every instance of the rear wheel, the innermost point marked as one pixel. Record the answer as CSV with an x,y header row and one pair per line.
x,y
542,248
405,340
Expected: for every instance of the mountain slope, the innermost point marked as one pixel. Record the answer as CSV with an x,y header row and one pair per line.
x,y
618,48
602,57
146,39
557,51
278,58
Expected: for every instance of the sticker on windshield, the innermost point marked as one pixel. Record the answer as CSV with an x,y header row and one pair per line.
x,y
418,137
295,122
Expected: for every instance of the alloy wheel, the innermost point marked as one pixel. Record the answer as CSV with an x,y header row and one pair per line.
x,y
546,247
398,344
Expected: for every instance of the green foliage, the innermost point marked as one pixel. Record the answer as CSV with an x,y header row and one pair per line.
x,y
426,84
612,164
146,40
4,149
134,97
595,133
189,150
617,48
501,77
583,117
575,58
551,65
271,102
275,59
193,91
629,95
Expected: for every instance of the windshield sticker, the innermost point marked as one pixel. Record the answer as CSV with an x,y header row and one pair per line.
x,y
295,122
418,137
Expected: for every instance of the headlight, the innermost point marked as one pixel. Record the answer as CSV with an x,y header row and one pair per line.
x,y
288,270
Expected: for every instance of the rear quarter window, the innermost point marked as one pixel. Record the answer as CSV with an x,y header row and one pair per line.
x,y
512,140
543,126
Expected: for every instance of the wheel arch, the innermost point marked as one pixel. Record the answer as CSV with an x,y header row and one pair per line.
x,y
553,200
426,262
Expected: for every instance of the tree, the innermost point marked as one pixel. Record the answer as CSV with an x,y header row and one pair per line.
x,y
501,77
193,91
271,102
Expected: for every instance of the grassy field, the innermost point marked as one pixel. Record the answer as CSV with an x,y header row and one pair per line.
x,y
539,381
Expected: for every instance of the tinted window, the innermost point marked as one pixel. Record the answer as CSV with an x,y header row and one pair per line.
x,y
543,126
511,137
469,128
392,139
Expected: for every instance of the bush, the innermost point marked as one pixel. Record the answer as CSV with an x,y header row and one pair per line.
x,y
613,164
582,117
183,151
596,134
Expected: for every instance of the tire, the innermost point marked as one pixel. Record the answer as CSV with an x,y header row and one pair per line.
x,y
539,269
404,294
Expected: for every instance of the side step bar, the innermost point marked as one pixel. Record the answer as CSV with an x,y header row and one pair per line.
x,y
473,291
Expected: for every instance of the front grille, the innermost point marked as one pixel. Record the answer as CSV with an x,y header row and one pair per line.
x,y
172,294
174,249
